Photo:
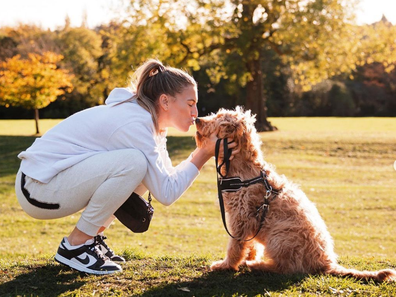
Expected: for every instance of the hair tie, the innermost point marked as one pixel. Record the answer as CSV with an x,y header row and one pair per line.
x,y
155,71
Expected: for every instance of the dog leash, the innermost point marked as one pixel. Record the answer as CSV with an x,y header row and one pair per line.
x,y
226,156
233,184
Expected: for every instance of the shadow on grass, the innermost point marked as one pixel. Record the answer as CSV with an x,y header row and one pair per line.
x,y
55,280
229,284
10,147
41,280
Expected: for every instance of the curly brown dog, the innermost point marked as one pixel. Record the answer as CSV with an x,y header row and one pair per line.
x,y
293,234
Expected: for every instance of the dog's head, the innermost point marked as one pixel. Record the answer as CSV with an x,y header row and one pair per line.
x,y
235,124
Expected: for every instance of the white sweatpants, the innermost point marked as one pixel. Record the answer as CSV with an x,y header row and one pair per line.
x,y
100,184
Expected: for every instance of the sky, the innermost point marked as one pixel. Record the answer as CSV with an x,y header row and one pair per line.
x,y
52,13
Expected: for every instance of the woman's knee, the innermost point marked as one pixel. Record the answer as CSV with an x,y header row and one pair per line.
x,y
134,163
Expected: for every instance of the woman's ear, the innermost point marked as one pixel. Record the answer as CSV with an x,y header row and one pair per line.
x,y
164,101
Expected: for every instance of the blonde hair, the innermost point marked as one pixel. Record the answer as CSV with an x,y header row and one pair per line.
x,y
152,79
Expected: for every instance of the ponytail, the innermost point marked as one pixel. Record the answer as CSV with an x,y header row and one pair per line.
x,y
152,79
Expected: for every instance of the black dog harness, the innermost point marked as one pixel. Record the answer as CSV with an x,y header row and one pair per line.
x,y
234,184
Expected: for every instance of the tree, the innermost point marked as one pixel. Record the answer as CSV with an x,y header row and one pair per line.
x,y
31,39
143,34
228,38
33,83
310,36
7,48
81,49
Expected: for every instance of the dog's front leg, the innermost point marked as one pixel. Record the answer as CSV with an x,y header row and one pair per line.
x,y
235,255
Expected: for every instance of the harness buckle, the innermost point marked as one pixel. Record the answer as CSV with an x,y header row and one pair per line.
x,y
268,192
264,207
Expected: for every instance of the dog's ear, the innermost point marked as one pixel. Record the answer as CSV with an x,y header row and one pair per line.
x,y
248,138
244,135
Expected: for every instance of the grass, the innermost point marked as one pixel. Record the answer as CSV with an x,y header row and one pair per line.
x,y
345,165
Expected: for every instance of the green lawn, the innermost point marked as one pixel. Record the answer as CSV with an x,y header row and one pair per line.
x,y
345,165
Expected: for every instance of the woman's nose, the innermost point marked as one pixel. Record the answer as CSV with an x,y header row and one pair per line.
x,y
195,112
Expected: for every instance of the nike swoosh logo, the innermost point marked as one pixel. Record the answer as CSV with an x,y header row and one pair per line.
x,y
83,261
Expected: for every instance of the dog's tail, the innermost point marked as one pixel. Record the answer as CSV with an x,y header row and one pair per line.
x,y
378,276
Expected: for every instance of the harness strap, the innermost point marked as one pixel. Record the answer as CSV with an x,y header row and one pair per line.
x,y
233,184
34,201
226,156
263,209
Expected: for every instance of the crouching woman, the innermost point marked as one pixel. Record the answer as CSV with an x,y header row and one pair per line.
x,y
95,159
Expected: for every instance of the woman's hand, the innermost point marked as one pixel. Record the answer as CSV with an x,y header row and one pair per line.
x,y
203,154
231,145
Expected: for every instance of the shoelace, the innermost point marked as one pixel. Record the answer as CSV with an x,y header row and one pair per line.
x,y
101,240
96,250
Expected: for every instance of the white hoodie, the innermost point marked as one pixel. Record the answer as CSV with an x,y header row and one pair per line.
x,y
106,128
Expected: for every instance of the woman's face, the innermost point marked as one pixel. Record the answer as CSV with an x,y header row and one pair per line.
x,y
182,110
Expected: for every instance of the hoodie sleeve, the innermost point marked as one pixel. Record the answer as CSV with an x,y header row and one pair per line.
x,y
165,182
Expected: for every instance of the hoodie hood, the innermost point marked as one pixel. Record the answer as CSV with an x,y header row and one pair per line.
x,y
118,95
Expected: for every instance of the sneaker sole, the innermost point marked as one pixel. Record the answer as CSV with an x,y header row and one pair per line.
x,y
82,268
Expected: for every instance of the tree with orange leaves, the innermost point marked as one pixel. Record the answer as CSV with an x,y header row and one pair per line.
x,y
33,83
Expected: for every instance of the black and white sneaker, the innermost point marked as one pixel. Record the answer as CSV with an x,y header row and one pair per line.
x,y
86,258
100,239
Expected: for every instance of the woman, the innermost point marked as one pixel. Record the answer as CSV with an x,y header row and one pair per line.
x,y
97,157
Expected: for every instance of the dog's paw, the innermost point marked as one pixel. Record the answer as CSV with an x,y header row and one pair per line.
x,y
222,265
254,264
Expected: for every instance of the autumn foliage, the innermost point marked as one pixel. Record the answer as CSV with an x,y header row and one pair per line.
x,y
33,83
277,58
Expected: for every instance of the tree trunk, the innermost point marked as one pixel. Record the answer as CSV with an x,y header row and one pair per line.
x,y
36,119
255,99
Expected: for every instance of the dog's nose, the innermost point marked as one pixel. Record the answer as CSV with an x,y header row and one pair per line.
x,y
197,120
